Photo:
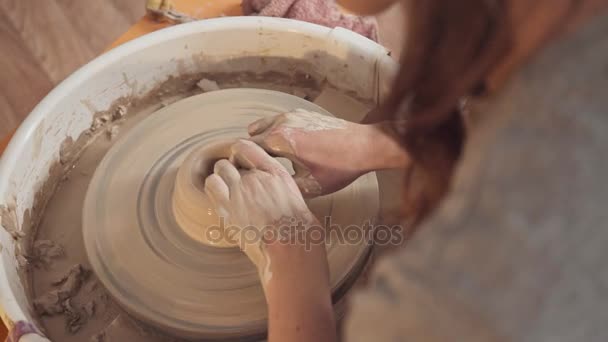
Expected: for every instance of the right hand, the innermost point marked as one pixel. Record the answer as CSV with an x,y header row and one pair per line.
x,y
253,191
256,195
326,151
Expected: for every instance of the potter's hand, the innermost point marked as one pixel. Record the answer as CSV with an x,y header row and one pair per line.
x,y
255,199
328,153
263,194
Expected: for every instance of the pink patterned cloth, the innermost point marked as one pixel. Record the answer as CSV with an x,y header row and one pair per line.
x,y
322,12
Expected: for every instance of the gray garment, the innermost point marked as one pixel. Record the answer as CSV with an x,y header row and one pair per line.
x,y
518,251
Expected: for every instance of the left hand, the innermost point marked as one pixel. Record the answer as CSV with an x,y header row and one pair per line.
x,y
328,153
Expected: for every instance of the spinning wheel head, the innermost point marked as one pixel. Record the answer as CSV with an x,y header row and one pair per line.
x,y
145,218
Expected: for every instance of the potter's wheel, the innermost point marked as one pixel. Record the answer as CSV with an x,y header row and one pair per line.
x,y
163,275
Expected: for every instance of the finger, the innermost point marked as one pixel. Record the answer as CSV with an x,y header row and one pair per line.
x,y
259,126
227,171
309,187
217,190
249,155
275,145
259,140
259,180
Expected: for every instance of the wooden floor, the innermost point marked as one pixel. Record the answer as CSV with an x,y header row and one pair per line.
x,y
43,41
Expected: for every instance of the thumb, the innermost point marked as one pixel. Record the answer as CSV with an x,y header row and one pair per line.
x,y
217,190
249,155
259,126
308,185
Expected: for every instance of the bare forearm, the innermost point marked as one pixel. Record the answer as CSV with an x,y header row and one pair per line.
x,y
384,150
299,295
303,315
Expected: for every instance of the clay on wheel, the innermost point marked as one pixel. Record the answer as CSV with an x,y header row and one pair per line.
x,y
192,209
160,270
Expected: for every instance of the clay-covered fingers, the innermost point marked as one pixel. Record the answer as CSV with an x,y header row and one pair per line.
x,y
217,190
249,155
268,134
261,125
227,171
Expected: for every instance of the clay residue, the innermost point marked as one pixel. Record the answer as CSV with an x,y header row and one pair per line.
x,y
8,220
112,132
75,299
208,85
44,252
53,302
299,83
